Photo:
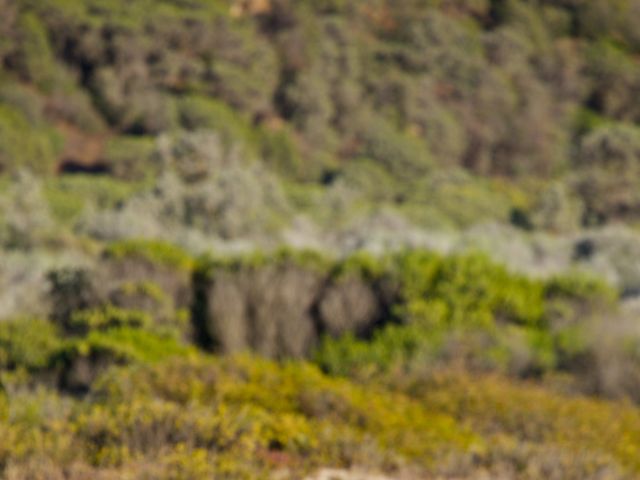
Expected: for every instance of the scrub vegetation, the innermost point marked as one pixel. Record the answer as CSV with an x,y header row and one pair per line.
x,y
246,239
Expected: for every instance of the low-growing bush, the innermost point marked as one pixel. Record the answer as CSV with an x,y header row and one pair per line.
x,y
81,360
199,113
70,196
469,312
27,343
23,146
249,418
405,157
108,317
152,251
280,150
130,158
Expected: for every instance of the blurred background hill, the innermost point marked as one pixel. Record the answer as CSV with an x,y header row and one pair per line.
x,y
437,201
509,127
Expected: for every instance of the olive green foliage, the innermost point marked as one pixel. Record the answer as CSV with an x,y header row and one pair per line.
x,y
514,88
35,52
608,157
155,252
23,145
202,112
402,155
324,68
470,311
129,158
208,265
281,151
27,343
69,197
121,344
107,318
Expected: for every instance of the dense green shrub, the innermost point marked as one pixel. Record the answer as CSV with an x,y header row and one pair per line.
x,y
81,360
122,344
556,209
242,69
370,178
200,112
23,145
472,288
405,157
468,311
195,156
20,97
35,56
71,196
27,343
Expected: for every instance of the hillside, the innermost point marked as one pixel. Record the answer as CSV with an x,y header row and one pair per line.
x,y
445,112
245,239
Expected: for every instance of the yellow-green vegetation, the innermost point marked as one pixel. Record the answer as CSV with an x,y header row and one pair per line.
x,y
106,318
121,345
27,343
155,252
468,310
249,418
208,265
128,157
590,431
436,388
23,145
68,197
129,127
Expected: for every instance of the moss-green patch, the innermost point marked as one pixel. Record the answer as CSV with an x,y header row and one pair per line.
x,y
27,343
309,259
129,157
107,318
123,344
153,251
199,112
68,196
24,146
